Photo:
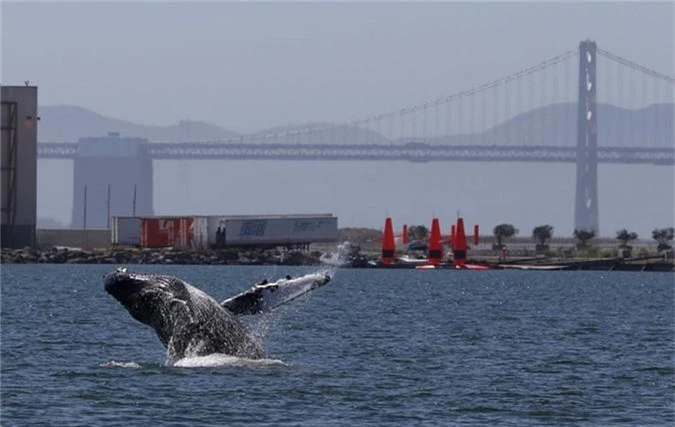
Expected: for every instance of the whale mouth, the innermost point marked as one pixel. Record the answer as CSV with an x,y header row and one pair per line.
x,y
120,283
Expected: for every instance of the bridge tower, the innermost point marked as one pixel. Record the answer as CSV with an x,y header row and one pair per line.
x,y
112,177
586,205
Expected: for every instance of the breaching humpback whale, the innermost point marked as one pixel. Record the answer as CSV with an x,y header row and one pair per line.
x,y
189,322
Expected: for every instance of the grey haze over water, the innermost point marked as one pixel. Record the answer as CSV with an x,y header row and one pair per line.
x,y
251,66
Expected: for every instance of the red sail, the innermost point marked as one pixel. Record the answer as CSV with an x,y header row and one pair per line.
x,y
475,234
388,245
435,245
404,237
460,246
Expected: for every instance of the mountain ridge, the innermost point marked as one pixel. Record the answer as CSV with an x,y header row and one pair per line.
x,y
553,124
68,123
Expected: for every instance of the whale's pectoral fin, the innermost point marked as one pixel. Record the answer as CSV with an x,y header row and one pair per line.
x,y
249,302
264,298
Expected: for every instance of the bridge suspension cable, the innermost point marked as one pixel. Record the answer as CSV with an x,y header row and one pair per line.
x,y
411,128
635,66
442,100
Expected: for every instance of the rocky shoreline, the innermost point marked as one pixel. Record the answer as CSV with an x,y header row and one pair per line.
x,y
234,256
158,256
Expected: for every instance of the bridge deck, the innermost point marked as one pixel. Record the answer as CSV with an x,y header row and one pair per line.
x,y
378,152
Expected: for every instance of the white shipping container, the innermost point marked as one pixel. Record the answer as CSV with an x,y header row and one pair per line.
x,y
280,230
200,232
216,222
213,222
126,230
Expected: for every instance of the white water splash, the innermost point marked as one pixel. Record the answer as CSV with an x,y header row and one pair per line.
x,y
340,258
115,364
224,360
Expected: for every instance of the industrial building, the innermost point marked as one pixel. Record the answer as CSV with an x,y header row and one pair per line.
x,y
18,156
112,177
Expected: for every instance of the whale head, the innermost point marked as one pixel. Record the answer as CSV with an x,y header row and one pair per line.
x,y
151,299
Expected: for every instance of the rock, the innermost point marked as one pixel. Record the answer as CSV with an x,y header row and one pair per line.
x,y
119,255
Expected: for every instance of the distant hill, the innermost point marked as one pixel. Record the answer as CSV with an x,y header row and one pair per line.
x,y
556,124
67,123
550,125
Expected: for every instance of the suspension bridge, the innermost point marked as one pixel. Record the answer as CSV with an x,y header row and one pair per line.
x,y
585,106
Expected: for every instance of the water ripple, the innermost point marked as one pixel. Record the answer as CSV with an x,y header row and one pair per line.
x,y
372,348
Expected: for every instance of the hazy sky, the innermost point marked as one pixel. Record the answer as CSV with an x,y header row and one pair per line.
x,y
248,66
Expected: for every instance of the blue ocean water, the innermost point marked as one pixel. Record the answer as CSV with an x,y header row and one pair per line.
x,y
372,348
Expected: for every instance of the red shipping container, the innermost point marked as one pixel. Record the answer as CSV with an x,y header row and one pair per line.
x,y
158,232
166,232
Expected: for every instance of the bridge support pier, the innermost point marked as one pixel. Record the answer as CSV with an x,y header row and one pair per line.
x,y
586,204
112,177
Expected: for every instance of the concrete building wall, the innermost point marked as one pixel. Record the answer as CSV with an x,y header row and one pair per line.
x,y
114,161
18,156
84,239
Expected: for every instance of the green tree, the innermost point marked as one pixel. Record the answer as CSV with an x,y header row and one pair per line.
x,y
625,237
663,236
583,236
504,231
417,232
542,234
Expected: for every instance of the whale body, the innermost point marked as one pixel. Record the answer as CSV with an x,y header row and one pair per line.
x,y
189,322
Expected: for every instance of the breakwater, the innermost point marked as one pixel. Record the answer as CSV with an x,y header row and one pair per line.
x,y
159,256
234,256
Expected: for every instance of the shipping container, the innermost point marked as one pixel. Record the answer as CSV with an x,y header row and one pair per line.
x,y
179,232
125,230
199,233
277,230
214,226
158,232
